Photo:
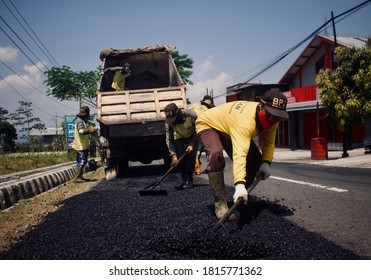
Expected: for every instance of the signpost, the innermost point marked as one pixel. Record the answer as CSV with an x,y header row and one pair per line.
x,y
70,130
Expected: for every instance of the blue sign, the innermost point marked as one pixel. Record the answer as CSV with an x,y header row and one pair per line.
x,y
70,130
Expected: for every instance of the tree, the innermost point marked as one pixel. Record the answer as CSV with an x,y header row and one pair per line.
x,y
65,84
23,117
183,62
346,93
8,133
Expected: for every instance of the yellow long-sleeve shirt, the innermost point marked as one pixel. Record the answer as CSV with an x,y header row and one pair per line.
x,y
238,120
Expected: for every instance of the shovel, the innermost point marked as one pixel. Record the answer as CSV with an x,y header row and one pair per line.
x,y
150,190
221,222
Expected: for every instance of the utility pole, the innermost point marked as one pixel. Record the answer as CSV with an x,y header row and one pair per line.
x,y
344,132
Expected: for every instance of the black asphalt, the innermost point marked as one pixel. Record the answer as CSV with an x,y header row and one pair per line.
x,y
113,221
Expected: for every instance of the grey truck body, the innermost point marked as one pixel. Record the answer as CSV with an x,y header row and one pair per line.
x,y
132,120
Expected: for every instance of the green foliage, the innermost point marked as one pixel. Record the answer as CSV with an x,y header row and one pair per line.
x,y
183,64
24,118
3,115
65,84
8,135
346,93
12,163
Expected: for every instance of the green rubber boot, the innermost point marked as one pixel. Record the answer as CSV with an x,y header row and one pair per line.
x,y
216,180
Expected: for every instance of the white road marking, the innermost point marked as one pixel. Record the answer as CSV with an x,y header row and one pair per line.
x,y
309,184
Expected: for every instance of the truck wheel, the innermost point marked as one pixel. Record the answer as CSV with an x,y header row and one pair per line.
x,y
122,166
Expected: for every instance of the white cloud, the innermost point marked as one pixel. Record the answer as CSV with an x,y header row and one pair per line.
x,y
8,53
217,84
205,66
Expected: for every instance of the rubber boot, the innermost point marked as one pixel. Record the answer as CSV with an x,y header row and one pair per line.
x,y
216,180
188,183
79,172
181,185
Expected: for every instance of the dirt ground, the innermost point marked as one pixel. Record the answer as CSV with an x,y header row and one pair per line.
x,y
22,217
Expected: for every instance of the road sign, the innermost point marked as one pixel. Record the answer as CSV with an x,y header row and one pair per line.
x,y
70,130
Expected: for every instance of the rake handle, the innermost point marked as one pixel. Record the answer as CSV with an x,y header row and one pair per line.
x,y
235,206
163,176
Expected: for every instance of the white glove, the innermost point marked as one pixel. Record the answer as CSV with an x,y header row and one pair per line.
x,y
264,170
240,192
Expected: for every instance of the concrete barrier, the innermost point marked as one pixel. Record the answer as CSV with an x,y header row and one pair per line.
x,y
31,185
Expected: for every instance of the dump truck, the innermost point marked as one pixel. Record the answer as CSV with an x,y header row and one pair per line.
x,y
132,121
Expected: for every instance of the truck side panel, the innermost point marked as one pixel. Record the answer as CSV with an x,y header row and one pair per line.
x,y
137,105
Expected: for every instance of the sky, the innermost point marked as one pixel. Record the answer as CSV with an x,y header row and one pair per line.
x,y
229,41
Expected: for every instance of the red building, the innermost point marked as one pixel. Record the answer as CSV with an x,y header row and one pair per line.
x,y
307,118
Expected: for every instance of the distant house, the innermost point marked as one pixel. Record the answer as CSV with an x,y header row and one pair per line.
x,y
307,117
47,135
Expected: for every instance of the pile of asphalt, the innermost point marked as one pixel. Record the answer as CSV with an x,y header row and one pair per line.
x,y
113,221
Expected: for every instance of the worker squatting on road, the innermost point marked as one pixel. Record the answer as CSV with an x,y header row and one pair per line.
x,y
232,127
181,139
81,142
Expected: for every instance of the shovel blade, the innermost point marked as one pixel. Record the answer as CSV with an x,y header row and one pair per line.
x,y
152,192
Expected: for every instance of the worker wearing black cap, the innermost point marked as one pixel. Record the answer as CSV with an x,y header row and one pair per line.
x,y
232,127
181,139
120,76
208,101
81,142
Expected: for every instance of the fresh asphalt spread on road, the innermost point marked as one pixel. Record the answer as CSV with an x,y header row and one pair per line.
x,y
283,220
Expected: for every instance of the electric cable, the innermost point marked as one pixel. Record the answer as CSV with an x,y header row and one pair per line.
x,y
1,77
7,66
22,51
23,43
37,37
284,54
28,33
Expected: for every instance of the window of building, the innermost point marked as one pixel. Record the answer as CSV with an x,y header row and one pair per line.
x,y
334,64
320,64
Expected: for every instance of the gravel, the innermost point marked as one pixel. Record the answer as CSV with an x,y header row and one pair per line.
x,y
112,221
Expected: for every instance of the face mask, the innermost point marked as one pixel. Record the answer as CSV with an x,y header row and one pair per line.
x,y
264,122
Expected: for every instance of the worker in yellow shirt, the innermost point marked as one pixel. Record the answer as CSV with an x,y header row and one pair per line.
x,y
205,104
81,142
120,76
181,139
232,127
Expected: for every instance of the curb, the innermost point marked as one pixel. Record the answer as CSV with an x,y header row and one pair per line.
x,y
32,185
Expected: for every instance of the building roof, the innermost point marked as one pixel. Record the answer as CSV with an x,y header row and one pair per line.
x,y
49,131
357,42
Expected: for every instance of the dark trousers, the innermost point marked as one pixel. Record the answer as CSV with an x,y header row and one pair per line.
x,y
187,164
215,142
82,158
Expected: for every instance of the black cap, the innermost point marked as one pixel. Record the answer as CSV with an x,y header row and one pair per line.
x,y
275,103
84,111
126,68
208,101
171,111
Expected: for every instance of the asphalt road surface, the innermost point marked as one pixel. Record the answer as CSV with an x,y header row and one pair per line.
x,y
331,201
300,213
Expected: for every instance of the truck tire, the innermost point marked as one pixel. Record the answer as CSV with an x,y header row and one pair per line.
x,y
122,166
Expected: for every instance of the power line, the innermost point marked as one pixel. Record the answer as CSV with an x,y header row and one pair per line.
x,y
52,60
22,51
284,54
25,97
33,85
27,31
23,42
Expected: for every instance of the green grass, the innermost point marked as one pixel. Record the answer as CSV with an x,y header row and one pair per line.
x,y
11,163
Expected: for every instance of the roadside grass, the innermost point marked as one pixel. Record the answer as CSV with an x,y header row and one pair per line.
x,y
11,163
